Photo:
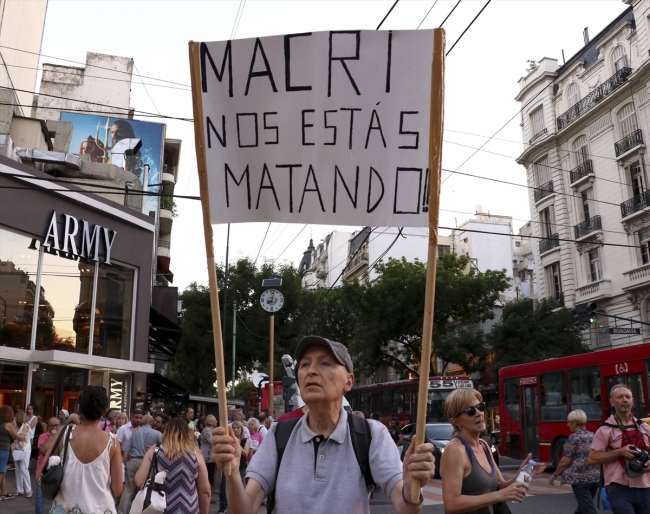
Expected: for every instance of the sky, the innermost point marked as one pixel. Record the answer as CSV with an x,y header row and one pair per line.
x,y
482,73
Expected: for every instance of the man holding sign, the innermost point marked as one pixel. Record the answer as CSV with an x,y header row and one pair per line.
x,y
318,469
340,127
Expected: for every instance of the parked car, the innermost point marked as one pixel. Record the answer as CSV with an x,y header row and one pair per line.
x,y
438,434
495,437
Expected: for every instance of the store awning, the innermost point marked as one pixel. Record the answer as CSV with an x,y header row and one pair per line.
x,y
162,268
164,334
159,386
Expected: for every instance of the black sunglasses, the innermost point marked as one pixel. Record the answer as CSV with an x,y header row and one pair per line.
x,y
471,411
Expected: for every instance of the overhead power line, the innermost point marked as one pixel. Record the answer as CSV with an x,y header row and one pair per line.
x,y
287,247
91,65
387,14
468,26
450,13
100,78
264,239
427,14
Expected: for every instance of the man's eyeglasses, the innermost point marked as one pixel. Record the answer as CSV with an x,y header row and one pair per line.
x,y
55,425
471,411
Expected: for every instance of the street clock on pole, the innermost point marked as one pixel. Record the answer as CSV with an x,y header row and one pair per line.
x,y
272,300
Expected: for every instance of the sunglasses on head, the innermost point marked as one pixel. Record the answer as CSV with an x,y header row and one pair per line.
x,y
471,411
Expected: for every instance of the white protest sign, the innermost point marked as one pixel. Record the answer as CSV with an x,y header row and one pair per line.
x,y
323,127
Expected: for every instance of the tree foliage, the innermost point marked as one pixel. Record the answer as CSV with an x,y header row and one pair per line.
x,y
524,334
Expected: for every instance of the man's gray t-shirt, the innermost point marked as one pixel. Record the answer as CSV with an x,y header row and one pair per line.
x,y
329,480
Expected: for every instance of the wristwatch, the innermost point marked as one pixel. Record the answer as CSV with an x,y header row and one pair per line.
x,y
553,476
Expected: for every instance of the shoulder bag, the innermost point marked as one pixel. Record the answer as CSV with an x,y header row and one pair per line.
x,y
53,476
151,499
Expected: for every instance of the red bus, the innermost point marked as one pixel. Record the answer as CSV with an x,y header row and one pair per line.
x,y
399,399
535,398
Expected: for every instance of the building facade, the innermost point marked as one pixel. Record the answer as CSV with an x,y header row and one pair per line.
x,y
585,127
75,290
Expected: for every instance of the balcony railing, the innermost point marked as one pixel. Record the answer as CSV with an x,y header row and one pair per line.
x,y
583,170
635,204
607,87
628,142
550,242
557,300
537,136
587,226
164,244
360,259
542,191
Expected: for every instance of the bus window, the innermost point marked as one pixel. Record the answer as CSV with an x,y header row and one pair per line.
x,y
365,403
398,398
553,396
634,382
586,392
436,406
511,397
386,407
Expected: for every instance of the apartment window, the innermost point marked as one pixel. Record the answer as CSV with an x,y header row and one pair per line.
x,y
619,58
542,172
553,279
573,94
595,270
517,244
580,150
547,220
537,121
636,179
644,244
442,250
587,197
627,120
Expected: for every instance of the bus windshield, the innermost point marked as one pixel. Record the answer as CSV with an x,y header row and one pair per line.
x,y
436,407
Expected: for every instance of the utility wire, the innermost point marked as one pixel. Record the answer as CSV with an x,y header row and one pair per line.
x,y
98,77
530,187
387,14
467,28
427,14
242,4
450,12
537,237
91,111
91,65
370,268
264,239
287,247
147,91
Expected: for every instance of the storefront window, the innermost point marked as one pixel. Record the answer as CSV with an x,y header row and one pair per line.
x,y
113,311
64,304
13,384
18,267
57,387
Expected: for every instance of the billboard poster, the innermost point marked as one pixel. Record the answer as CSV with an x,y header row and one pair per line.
x,y
98,136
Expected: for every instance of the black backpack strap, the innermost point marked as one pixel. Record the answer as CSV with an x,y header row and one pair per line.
x,y
282,432
153,469
361,439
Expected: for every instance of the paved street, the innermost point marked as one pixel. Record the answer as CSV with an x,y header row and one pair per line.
x,y
542,499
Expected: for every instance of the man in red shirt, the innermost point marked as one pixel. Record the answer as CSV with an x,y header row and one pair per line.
x,y
53,426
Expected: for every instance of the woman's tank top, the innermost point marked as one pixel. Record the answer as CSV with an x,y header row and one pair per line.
x,y
86,487
479,481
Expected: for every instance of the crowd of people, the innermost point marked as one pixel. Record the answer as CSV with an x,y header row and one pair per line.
x,y
316,459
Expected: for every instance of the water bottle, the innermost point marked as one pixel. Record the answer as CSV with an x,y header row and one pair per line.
x,y
526,474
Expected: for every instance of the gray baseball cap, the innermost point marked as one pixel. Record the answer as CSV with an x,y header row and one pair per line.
x,y
339,350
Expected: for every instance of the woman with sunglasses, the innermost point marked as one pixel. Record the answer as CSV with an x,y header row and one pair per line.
x,y
471,481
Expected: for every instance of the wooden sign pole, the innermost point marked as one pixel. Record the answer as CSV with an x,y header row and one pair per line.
x,y
435,165
271,383
197,102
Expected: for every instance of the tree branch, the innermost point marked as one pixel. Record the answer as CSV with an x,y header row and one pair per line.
x,y
392,357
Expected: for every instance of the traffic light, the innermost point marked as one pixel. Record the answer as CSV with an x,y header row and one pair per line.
x,y
288,389
591,311
584,313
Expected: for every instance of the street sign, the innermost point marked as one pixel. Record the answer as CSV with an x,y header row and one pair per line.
x,y
252,392
625,331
